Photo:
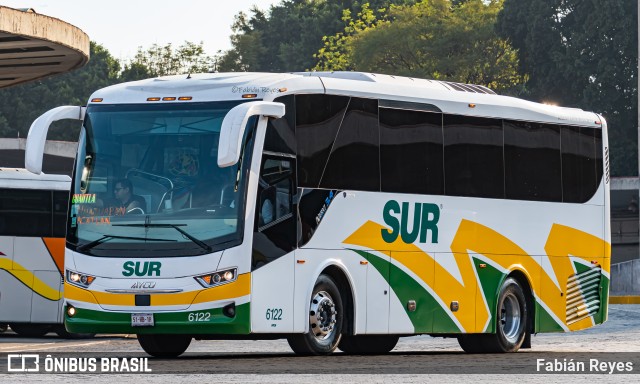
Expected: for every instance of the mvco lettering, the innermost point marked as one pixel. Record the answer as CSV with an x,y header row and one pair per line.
x,y
148,268
425,218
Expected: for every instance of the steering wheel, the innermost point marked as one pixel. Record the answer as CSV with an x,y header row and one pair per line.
x,y
136,211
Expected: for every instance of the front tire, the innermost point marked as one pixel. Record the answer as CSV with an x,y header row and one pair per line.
x,y
164,345
31,330
368,344
511,321
326,314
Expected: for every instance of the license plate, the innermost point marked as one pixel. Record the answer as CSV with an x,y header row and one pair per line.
x,y
142,319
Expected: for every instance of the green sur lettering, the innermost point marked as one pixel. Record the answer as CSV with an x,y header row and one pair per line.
x,y
147,268
425,219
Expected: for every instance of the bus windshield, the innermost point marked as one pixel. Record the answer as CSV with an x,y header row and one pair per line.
x,y
147,183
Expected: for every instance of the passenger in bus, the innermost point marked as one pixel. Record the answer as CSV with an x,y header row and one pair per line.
x,y
123,192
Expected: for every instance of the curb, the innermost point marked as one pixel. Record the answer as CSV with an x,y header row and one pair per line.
x,y
624,299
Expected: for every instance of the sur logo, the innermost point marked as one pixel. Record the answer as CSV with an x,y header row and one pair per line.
x,y
147,268
424,221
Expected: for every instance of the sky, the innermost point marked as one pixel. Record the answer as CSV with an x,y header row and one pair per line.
x,y
123,26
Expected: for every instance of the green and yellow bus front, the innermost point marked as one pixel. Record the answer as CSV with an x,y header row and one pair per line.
x,y
155,228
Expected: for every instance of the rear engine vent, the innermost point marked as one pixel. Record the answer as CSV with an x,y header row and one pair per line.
x,y
583,294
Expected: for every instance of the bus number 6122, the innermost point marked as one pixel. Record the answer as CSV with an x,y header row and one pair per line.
x,y
274,314
199,316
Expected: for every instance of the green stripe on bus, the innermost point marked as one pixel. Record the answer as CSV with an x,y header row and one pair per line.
x,y
491,280
601,316
90,321
581,268
429,315
546,322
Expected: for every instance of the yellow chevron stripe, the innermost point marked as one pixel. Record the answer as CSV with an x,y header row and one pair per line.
x,y
29,279
562,242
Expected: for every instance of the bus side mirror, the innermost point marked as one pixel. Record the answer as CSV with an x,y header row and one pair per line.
x,y
234,125
38,134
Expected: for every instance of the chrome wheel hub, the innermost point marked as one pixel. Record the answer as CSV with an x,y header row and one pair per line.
x,y
322,315
510,318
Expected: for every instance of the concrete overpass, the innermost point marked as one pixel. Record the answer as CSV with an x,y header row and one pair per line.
x,y
34,46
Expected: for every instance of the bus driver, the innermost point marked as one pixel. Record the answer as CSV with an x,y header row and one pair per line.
x,y
123,192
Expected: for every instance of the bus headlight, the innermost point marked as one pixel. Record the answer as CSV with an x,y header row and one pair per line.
x,y
79,279
217,278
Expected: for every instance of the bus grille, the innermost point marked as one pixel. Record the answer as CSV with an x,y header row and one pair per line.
x,y
583,295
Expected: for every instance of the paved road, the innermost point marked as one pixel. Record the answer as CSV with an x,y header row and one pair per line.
x,y
414,360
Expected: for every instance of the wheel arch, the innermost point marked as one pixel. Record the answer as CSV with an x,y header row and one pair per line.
x,y
342,278
524,280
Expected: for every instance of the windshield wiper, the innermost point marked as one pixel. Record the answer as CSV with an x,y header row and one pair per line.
x,y
87,246
199,242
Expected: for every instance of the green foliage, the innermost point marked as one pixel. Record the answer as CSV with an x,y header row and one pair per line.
x,y
166,60
581,54
336,55
287,36
436,39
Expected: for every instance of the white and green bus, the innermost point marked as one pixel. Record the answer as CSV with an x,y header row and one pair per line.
x,y
33,210
336,210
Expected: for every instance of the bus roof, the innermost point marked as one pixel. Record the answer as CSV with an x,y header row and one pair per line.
x,y
20,178
449,97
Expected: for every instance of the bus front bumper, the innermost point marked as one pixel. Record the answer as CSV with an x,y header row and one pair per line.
x,y
205,321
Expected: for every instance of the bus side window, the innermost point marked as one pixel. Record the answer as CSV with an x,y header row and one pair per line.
x,y
276,189
274,233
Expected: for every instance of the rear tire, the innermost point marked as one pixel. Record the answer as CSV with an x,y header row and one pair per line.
x,y
326,315
164,345
31,330
511,321
368,344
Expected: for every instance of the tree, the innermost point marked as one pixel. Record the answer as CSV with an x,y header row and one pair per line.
x,y
286,37
434,39
337,53
582,54
166,60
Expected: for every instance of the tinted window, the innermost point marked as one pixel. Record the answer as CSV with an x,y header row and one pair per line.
x,y
473,157
532,161
580,152
411,151
354,160
25,212
276,184
60,204
318,118
280,136
275,226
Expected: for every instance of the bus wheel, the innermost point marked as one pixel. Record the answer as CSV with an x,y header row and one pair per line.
x,y
511,318
164,345
3,327
325,321
31,330
368,344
